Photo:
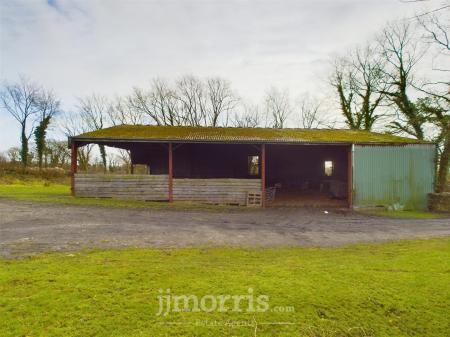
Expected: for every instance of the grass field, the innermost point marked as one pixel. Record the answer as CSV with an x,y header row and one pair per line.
x,y
404,214
60,194
13,174
394,289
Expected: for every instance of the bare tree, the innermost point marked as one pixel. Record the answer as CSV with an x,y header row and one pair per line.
x,y
436,105
140,101
123,112
361,84
94,111
192,99
124,157
309,112
57,152
437,109
71,124
277,107
250,117
401,52
341,81
13,154
164,103
20,100
3,160
369,83
436,32
221,100
158,102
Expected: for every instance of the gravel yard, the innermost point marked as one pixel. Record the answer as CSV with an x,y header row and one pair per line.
x,y
27,228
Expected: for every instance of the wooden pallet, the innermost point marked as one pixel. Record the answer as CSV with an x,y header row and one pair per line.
x,y
254,199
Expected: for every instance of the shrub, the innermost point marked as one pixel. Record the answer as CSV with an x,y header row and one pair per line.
x,y
13,173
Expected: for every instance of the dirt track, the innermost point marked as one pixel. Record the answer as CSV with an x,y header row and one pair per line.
x,y
27,228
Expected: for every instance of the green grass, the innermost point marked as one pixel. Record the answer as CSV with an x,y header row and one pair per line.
x,y
394,289
17,175
404,214
60,194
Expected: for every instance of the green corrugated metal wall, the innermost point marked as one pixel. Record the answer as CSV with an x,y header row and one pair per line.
x,y
389,175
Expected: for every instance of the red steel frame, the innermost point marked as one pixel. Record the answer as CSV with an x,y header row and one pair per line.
x,y
170,173
73,167
263,175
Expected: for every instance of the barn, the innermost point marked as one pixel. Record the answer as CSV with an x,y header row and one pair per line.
x,y
263,167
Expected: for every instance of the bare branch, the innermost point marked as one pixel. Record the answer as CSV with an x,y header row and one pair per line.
x,y
21,101
277,106
221,100
401,52
249,118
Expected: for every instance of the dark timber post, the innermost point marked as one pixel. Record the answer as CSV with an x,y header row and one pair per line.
x,y
73,166
170,173
350,177
263,175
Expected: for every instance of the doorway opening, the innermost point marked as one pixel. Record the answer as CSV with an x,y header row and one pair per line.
x,y
308,175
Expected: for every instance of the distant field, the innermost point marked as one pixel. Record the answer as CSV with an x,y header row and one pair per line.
x,y
394,289
16,175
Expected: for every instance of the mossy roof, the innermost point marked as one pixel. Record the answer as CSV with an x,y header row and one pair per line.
x,y
238,135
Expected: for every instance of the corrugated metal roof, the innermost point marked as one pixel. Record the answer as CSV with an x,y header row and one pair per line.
x,y
239,135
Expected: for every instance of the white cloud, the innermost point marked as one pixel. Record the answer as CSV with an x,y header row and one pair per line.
x,y
77,47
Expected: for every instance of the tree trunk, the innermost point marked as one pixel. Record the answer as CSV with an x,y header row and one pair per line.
x,y
24,149
441,185
39,154
103,155
40,135
83,159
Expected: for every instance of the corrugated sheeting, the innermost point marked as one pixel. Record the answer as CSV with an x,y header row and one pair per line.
x,y
393,175
236,135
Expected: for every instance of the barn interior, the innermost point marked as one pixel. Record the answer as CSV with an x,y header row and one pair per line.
x,y
296,175
307,175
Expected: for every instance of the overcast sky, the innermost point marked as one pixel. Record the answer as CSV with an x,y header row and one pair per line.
x,y
106,46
